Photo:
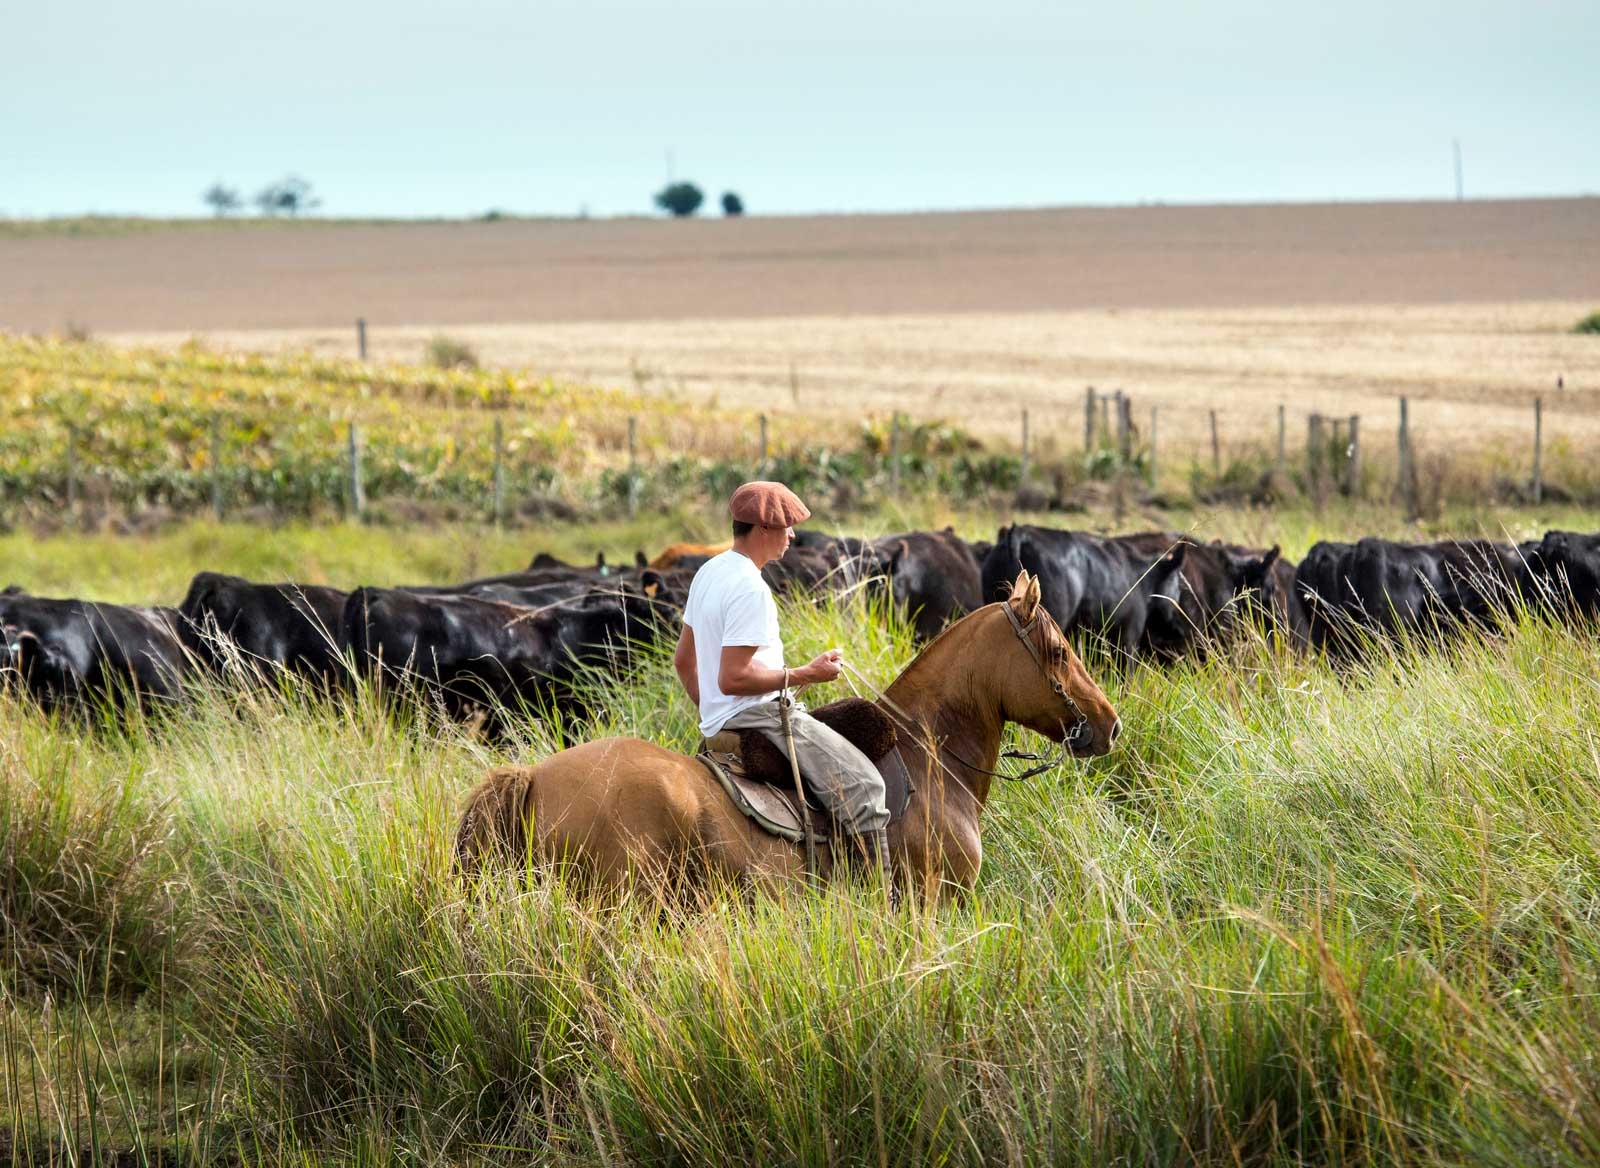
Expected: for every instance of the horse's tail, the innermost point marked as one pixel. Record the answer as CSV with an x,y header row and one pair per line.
x,y
496,826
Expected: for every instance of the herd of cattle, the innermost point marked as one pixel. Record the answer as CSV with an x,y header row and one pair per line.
x,y
527,640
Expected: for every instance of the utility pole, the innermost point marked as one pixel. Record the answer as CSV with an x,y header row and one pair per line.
x,y
1460,189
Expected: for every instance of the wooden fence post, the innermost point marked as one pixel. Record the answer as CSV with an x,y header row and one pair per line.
x,y
633,466
1152,460
1334,454
361,338
1538,450
794,383
1316,447
499,471
1088,421
894,453
1216,448
72,469
358,494
1105,417
764,440
216,469
1125,428
1352,466
1406,487
1024,471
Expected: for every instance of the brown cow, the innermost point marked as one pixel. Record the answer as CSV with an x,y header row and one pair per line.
x,y
670,557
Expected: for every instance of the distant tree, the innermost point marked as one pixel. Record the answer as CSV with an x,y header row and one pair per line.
x,y
732,204
222,200
288,196
682,199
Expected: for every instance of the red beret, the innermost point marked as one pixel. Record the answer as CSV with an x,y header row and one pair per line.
x,y
768,505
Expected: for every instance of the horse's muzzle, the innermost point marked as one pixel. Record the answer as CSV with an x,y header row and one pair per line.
x,y
1082,740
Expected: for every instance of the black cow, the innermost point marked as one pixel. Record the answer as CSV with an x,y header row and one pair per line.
x,y
473,652
1565,572
230,621
1218,584
1378,589
1089,584
850,561
546,580
932,577
70,653
1285,615
1486,581
847,545
1326,597
600,570
545,577
808,570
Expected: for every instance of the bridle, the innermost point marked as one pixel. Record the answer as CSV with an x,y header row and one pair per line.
x,y
1043,762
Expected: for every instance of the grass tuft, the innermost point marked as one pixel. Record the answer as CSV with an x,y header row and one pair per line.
x,y
447,352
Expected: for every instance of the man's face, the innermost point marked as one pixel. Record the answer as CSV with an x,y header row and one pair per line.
x,y
775,541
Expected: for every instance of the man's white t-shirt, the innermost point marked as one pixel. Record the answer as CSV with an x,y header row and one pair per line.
x,y
730,604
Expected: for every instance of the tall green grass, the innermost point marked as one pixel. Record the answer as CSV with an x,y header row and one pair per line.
x,y
1299,916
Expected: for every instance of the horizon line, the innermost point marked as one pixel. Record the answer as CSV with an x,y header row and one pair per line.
x,y
502,214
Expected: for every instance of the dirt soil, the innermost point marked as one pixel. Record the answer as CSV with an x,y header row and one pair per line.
x,y
1337,308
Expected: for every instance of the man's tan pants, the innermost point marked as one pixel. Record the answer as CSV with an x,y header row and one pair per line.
x,y
843,779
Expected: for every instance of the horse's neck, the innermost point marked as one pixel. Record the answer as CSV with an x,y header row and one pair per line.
x,y
944,695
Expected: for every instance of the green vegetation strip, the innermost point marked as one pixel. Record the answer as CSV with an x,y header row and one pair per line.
x,y
1296,917
85,425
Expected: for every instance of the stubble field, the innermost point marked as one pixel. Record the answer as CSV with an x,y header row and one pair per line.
x,y
972,317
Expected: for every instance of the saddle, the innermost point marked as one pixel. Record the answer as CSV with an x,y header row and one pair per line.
x,y
757,777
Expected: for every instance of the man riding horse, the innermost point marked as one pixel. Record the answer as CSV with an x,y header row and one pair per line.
x,y
730,661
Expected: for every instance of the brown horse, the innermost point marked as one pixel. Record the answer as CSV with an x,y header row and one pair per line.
x,y
621,807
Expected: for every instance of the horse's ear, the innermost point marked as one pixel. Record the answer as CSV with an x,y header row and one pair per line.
x,y
1019,586
1025,595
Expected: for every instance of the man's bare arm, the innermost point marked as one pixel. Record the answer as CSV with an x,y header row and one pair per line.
x,y
740,676
684,661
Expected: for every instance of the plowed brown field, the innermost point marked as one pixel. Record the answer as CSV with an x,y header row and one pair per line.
x,y
974,316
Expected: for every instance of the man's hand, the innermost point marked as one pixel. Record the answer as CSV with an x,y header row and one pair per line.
x,y
824,667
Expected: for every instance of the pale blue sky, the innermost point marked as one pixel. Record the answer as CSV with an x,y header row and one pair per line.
x,y
405,107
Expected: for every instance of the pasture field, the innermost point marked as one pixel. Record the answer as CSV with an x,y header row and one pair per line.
x,y
1298,916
